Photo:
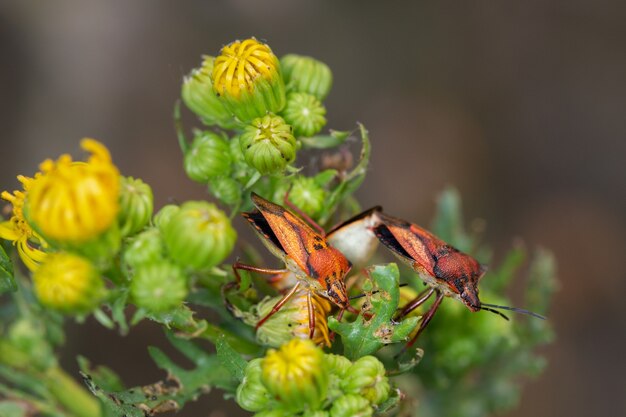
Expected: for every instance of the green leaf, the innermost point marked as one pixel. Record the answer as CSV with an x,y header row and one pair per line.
x,y
335,138
323,178
7,277
350,182
231,359
366,336
101,375
182,385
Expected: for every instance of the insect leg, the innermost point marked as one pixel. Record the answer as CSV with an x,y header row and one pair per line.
x,y
278,305
226,288
416,302
311,308
426,318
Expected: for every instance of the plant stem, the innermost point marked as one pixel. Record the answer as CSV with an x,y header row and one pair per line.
x,y
72,396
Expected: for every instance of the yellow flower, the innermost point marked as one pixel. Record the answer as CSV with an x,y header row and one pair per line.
x,y
296,375
75,201
247,78
68,283
292,320
19,231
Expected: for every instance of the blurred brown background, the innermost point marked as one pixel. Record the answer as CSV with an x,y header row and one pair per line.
x,y
521,105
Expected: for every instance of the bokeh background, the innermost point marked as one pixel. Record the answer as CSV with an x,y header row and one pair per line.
x,y
521,105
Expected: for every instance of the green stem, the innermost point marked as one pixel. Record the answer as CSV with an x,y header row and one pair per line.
x,y
71,394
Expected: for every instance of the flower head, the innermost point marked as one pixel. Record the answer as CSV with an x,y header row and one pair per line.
x,y
75,202
306,75
19,231
136,205
247,77
296,375
69,283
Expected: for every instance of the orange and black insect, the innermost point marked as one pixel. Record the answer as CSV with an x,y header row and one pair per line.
x,y
447,271
317,266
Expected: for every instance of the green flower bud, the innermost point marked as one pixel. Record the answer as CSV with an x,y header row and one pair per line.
x,y
305,113
159,286
145,248
225,189
338,367
307,195
306,75
199,235
198,95
268,144
296,375
247,78
251,393
136,205
68,283
367,378
338,364
164,215
292,320
351,405
208,157
28,336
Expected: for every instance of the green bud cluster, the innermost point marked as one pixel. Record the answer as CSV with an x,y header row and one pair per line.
x,y
299,378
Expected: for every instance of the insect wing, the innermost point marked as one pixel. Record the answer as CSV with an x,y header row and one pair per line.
x,y
404,240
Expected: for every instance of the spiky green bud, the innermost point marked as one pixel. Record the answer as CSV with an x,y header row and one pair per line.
x,y
208,157
306,75
199,97
158,286
305,113
251,393
199,235
136,205
268,144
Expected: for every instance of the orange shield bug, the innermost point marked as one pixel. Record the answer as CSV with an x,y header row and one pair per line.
x,y
317,266
446,270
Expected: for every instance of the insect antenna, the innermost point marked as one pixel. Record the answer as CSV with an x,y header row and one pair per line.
x,y
504,316
514,309
355,297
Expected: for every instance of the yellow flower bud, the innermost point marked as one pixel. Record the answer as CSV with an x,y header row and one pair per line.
x,y
296,375
68,283
74,202
292,320
247,77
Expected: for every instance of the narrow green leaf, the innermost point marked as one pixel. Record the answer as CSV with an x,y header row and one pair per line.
x,y
7,277
335,138
231,359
